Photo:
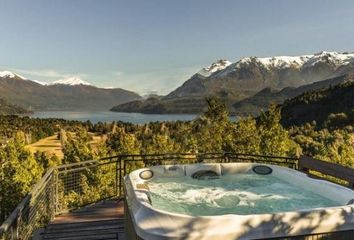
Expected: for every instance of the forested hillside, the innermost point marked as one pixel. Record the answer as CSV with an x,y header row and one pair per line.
x,y
261,101
329,107
10,109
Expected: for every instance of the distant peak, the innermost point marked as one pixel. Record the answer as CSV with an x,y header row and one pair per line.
x,y
323,53
214,67
8,74
298,61
72,81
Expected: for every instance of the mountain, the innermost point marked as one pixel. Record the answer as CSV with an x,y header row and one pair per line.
x,y
72,81
10,109
72,94
255,74
260,101
214,67
195,85
8,74
260,78
329,106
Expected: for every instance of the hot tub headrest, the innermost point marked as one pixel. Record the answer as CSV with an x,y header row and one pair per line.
x,y
262,169
205,174
146,174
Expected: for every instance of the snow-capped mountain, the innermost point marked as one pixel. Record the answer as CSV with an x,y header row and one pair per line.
x,y
39,82
8,74
252,74
12,75
65,94
298,62
72,81
256,80
214,67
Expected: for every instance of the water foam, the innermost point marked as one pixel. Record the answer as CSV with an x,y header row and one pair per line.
x,y
234,194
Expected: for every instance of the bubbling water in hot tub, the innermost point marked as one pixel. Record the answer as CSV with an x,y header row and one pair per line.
x,y
240,194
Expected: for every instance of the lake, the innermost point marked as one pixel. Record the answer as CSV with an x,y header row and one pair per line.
x,y
107,116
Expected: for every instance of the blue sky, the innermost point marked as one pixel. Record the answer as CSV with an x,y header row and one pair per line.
x,y
155,45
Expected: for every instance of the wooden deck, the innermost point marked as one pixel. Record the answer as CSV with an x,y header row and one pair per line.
x,y
103,220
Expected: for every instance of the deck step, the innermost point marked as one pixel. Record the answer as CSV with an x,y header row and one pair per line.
x,y
90,237
83,227
103,220
84,233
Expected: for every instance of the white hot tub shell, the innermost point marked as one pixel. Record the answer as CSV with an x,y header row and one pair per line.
x,y
154,224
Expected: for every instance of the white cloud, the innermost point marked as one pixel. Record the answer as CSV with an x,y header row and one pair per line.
x,y
118,74
47,73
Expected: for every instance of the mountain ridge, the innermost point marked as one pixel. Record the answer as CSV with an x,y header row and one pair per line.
x,y
243,79
32,95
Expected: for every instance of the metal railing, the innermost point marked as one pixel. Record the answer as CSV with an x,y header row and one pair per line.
x,y
35,210
72,186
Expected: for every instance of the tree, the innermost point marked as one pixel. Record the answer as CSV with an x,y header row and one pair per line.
x,y
78,147
121,142
212,128
19,171
274,139
244,137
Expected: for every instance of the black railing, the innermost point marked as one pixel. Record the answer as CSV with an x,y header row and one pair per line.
x,y
72,186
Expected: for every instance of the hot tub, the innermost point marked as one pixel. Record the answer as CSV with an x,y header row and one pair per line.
x,y
234,201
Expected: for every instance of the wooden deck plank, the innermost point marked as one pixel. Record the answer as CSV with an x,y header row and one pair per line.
x,y
67,228
103,220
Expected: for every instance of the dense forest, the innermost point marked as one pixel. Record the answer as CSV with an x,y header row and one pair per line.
x,y
330,107
34,128
213,131
10,109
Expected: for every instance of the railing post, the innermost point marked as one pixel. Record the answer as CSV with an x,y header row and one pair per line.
x,y
301,167
116,179
226,159
52,197
56,186
120,176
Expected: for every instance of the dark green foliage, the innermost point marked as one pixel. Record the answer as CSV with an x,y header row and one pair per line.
x,y
34,128
331,145
331,107
262,100
211,132
19,170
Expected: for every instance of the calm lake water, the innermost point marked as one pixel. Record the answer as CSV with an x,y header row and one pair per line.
x,y
107,116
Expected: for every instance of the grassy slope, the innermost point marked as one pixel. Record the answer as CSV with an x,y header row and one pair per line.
x,y
50,145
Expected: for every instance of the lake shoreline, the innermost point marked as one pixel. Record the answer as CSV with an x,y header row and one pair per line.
x,y
109,116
